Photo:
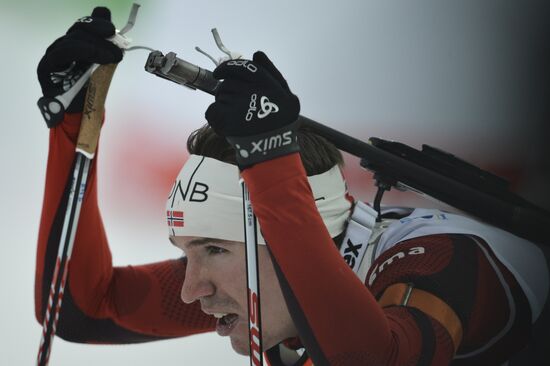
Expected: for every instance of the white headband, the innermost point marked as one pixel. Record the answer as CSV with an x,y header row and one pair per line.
x,y
206,201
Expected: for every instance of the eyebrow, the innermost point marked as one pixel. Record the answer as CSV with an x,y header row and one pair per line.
x,y
202,241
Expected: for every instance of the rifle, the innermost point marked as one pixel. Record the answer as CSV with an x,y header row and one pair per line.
x,y
430,171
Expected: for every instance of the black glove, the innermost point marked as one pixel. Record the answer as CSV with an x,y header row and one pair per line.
x,y
254,110
69,57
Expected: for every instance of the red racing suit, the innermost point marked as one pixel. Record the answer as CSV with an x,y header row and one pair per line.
x,y
339,319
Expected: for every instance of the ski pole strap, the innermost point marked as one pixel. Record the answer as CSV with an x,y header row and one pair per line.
x,y
253,280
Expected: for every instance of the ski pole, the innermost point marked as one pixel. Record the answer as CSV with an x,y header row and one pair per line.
x,y
88,137
253,280
87,142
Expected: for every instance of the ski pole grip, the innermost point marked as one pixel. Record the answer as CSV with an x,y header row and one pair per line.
x,y
94,110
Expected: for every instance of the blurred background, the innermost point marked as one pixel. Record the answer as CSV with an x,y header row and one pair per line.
x,y
469,77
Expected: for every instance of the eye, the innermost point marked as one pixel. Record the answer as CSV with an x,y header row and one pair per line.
x,y
211,249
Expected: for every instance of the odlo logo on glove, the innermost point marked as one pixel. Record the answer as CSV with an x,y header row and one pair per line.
x,y
244,63
85,19
266,107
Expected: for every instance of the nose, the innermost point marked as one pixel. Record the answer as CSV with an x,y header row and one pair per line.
x,y
196,283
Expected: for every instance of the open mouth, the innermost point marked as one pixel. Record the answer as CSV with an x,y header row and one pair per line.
x,y
225,323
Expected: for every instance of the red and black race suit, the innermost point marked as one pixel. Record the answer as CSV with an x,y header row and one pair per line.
x,y
337,316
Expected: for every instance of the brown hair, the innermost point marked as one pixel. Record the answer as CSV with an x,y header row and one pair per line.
x,y
318,155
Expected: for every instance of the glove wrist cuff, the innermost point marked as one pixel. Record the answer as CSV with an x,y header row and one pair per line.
x,y
254,149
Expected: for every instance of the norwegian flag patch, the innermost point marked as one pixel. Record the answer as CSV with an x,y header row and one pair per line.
x,y
174,218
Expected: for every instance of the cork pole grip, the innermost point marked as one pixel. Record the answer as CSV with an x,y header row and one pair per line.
x,y
94,108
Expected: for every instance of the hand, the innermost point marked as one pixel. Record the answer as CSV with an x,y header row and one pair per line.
x,y
68,58
255,110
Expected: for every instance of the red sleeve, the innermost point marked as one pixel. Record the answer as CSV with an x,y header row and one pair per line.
x,y
339,320
101,303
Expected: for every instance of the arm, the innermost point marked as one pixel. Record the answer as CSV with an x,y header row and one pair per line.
x,y
337,317
101,303
462,271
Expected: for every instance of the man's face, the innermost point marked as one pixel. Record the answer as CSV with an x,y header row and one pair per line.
x,y
216,276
